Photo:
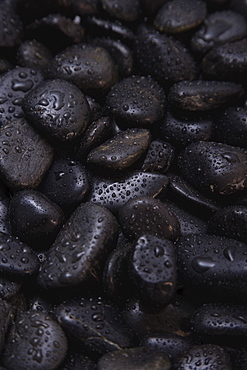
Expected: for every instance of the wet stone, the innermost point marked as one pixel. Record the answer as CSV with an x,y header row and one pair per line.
x,y
187,196
97,133
80,249
89,67
99,27
181,130
5,66
96,110
24,155
16,258
116,280
114,194
241,359
159,157
136,101
14,85
11,27
84,7
95,323
121,54
217,319
230,222
201,95
33,54
126,11
146,215
6,316
227,62
121,151
56,31
238,6
171,344
230,127
174,318
162,57
66,183
153,268
203,357
59,109
35,341
35,219
136,358
76,361
214,167
189,223
152,6
4,212
212,262
9,287
218,28
180,15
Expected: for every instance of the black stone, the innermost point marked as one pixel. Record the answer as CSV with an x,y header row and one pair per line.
x,y
33,54
153,268
230,127
24,155
181,130
180,15
171,344
134,358
146,215
80,249
35,341
56,31
214,264
159,157
230,222
89,67
126,11
59,109
203,357
162,57
214,167
217,319
218,28
98,325
121,54
201,95
136,101
113,194
121,151
14,85
35,219
16,258
11,26
66,183
98,131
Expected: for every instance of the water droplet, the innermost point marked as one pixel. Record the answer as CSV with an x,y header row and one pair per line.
x,y
231,157
241,318
58,99
229,253
202,264
23,86
125,107
38,357
132,219
158,251
4,247
59,175
98,317
43,102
